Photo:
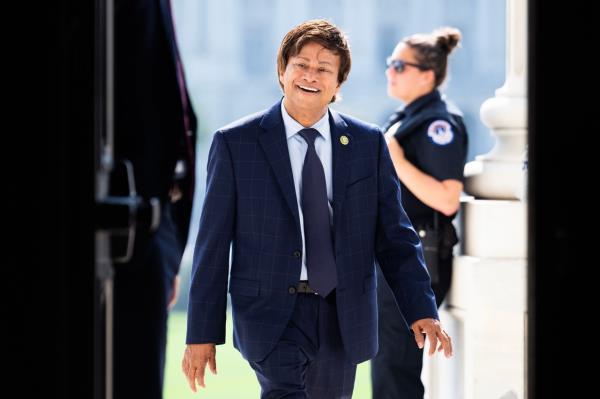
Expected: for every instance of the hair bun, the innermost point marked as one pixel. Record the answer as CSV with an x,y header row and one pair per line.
x,y
447,38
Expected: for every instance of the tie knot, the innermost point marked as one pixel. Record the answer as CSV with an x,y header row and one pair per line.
x,y
309,135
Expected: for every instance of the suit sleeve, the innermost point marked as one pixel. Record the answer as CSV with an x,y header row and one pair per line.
x,y
398,247
210,268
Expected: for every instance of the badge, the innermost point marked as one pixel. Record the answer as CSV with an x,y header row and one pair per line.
x,y
344,140
440,132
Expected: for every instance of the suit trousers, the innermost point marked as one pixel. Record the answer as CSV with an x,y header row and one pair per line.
x,y
396,369
309,360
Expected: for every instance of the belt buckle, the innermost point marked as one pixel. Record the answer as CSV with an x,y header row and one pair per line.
x,y
304,288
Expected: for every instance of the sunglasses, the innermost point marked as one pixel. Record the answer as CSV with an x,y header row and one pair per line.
x,y
399,65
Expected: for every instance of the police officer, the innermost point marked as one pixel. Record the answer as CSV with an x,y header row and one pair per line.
x,y
427,140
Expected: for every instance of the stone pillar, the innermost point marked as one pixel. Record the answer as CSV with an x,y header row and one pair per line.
x,y
498,174
486,308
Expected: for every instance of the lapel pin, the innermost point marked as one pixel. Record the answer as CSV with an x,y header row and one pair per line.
x,y
344,140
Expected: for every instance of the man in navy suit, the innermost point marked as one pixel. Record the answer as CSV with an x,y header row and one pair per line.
x,y
309,201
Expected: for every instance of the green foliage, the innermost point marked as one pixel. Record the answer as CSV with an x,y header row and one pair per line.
x,y
235,378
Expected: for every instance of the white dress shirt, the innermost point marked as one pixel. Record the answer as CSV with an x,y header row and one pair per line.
x,y
297,148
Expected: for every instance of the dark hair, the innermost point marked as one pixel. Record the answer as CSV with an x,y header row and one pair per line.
x,y
319,31
432,50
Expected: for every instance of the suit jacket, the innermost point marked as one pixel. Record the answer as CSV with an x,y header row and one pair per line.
x,y
251,204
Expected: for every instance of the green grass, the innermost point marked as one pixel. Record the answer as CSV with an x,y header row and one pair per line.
x,y
236,380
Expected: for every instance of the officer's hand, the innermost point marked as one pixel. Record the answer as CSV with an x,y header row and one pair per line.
x,y
194,362
433,330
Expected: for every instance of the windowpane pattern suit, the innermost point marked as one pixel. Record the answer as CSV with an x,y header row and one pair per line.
x,y
251,204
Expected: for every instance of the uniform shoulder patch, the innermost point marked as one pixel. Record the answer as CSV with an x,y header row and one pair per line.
x,y
440,132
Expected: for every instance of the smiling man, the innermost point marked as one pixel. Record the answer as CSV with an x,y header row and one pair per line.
x,y
308,200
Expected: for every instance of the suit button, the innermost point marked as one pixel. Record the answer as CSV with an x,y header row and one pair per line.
x,y
292,290
297,254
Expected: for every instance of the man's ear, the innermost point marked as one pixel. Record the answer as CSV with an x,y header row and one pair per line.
x,y
336,95
281,73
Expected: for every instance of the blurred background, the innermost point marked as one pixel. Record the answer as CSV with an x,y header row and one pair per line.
x,y
229,49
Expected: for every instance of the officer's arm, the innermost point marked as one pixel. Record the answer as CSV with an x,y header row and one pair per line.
x,y
442,196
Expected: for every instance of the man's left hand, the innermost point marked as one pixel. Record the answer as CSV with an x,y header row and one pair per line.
x,y
434,332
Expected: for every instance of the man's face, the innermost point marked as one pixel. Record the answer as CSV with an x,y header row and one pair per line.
x,y
310,78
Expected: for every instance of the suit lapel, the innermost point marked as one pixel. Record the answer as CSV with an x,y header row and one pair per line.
x,y
274,143
342,143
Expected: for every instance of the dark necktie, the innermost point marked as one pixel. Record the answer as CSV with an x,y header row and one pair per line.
x,y
320,261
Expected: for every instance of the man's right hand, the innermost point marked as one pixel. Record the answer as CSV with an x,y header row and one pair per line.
x,y
194,362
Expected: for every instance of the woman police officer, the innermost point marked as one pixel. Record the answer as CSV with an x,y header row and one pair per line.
x,y
427,140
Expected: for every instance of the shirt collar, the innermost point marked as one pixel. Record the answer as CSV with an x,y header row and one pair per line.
x,y
292,127
422,101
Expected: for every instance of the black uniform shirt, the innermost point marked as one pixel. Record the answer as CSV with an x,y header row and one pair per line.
x,y
434,139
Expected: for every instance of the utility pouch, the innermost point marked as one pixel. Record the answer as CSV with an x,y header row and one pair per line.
x,y
448,239
438,242
430,241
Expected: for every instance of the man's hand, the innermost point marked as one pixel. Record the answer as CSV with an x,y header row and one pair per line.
x,y
194,362
433,330
174,293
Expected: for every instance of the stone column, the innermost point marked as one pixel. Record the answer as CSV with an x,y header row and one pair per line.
x,y
498,174
486,310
